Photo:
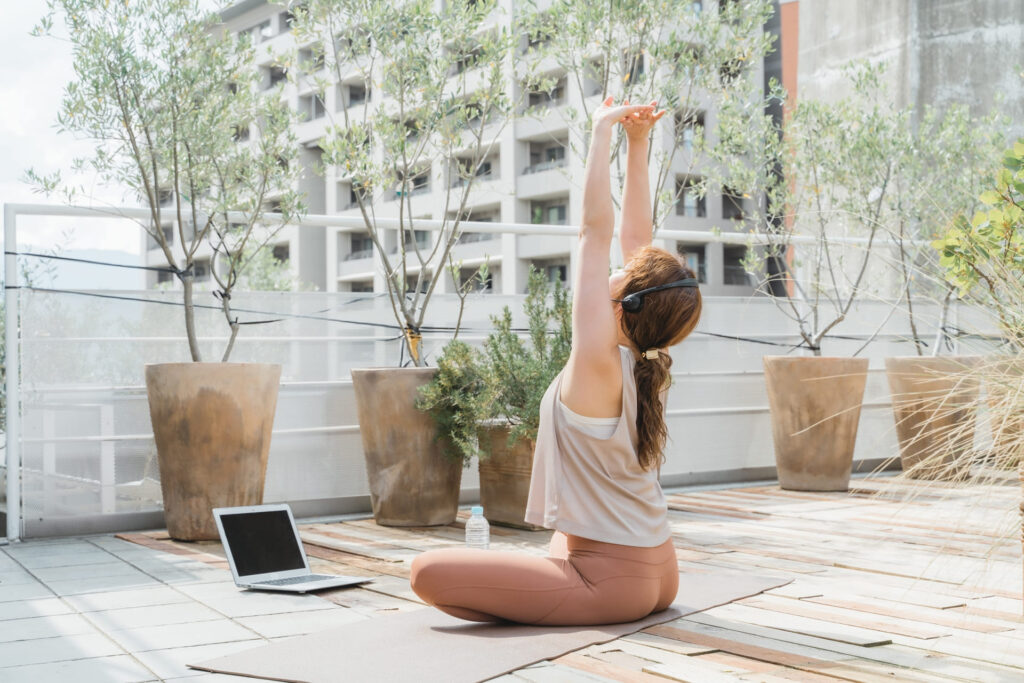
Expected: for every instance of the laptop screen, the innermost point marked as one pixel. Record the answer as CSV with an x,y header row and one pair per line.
x,y
262,542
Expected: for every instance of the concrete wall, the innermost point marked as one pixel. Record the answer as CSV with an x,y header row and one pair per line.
x,y
938,51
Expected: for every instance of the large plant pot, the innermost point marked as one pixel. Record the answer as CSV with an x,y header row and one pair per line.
x,y
212,424
505,478
412,483
815,407
933,400
1004,389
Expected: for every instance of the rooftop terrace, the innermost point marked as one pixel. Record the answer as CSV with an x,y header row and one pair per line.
x,y
884,588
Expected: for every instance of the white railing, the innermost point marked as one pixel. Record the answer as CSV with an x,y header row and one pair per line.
x,y
717,378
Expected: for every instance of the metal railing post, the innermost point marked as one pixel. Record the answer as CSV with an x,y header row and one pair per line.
x,y
12,356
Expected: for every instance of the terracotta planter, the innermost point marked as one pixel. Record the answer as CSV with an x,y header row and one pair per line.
x,y
505,478
815,407
412,483
933,401
212,424
1004,389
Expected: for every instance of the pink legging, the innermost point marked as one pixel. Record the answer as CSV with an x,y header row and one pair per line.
x,y
583,582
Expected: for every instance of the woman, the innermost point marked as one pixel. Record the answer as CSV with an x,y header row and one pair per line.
x,y
602,428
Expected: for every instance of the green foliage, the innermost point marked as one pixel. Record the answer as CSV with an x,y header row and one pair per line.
x,y
455,398
174,106
518,374
443,72
984,256
506,379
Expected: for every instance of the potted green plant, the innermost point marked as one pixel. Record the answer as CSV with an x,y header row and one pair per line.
x,y
486,402
984,258
178,117
836,162
437,79
939,172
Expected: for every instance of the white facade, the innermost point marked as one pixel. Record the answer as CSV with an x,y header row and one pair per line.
x,y
533,177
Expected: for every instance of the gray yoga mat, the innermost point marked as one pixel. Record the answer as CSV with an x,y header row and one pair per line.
x,y
429,646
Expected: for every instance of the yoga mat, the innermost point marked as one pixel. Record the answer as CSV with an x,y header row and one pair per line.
x,y
429,646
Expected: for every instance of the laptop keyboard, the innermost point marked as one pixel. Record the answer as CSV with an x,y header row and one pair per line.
x,y
299,579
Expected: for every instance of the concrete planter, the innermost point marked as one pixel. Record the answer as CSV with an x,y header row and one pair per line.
x,y
411,481
815,408
212,424
933,401
505,478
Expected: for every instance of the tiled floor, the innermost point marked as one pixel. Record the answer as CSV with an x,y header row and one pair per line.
x,y
101,609
884,588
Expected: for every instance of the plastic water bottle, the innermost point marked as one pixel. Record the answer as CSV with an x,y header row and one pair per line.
x,y
478,531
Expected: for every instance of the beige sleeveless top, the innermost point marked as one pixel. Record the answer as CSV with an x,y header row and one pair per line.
x,y
591,487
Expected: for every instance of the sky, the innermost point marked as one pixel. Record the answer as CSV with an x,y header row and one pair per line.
x,y
31,86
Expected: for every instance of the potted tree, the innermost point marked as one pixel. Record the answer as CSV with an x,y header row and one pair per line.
x,y
836,172
438,102
939,173
984,259
486,402
175,108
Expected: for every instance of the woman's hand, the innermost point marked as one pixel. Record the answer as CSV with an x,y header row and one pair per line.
x,y
607,115
638,125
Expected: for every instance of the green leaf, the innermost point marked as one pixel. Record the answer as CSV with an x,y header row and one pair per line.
x,y
989,197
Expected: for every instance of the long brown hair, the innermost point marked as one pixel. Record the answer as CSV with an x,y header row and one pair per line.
x,y
667,317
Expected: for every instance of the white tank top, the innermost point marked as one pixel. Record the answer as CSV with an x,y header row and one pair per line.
x,y
594,487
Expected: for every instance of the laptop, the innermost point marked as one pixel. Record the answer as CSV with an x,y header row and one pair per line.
x,y
265,553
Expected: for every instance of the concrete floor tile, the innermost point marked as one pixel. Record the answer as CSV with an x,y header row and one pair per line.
x,y
121,668
27,609
152,615
112,567
181,635
31,590
118,599
63,648
100,584
12,630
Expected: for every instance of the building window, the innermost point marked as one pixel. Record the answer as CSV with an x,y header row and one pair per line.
x,y
689,128
554,271
360,247
312,107
693,255
285,21
544,156
486,285
462,169
281,252
732,204
548,98
357,93
259,32
361,286
311,59
164,276
275,75
733,272
690,203
201,270
553,213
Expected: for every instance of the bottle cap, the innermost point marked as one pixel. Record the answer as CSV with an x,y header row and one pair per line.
x,y
476,510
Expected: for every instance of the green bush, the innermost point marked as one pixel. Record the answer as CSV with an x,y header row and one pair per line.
x,y
506,379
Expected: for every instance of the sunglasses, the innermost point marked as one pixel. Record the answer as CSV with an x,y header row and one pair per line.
x,y
633,303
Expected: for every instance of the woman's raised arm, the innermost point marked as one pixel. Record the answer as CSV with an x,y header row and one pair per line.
x,y
637,218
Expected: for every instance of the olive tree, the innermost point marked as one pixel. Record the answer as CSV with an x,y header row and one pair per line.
x,y
435,99
173,104
693,58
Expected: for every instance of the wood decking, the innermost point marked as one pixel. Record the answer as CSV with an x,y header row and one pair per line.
x,y
885,588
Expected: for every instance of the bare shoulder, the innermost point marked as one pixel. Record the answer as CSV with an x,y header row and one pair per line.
x,y
592,383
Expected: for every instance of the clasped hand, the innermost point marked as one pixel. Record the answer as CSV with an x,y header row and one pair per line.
x,y
637,119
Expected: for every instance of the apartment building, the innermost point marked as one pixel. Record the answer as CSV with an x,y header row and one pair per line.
x,y
530,177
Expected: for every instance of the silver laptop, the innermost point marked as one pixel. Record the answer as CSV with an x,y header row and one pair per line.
x,y
265,553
